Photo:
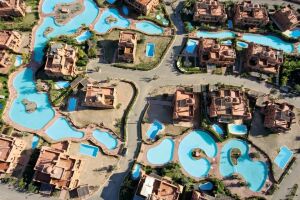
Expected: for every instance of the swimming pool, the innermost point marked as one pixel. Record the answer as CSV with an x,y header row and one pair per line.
x,y
150,49
162,153
149,28
295,33
103,26
106,139
18,61
26,89
217,129
61,84
227,42
196,139
88,150
206,186
49,5
35,141
136,172
245,166
237,129
154,129
111,1
242,44
125,10
283,157
61,129
84,36
72,104
191,46
230,24
219,35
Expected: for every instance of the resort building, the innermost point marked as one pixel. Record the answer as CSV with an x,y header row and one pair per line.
x,y
55,168
286,18
229,106
61,60
263,59
184,106
99,97
5,61
212,52
142,6
153,187
10,153
127,46
209,11
12,8
250,14
278,116
10,40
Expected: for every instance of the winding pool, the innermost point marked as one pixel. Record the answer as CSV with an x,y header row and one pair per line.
x,y
196,139
106,139
49,5
219,35
26,89
102,26
254,172
61,129
162,153
149,28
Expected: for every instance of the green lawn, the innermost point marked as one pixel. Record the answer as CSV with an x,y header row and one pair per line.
x,y
3,91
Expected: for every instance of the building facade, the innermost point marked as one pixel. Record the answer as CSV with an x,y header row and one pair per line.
x,y
127,46
142,6
184,105
286,18
250,14
10,40
209,11
5,61
12,8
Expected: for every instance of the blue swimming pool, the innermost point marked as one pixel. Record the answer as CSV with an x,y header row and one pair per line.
x,y
84,36
150,49
217,129
219,35
35,141
125,10
26,89
136,172
206,186
88,150
191,46
242,44
283,157
149,28
111,1
245,166
1,106
230,24
49,5
237,129
155,155
61,84
61,129
196,139
227,42
18,61
154,129
106,139
103,25
72,104
295,33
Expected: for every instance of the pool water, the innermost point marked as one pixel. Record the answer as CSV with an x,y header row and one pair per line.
x,y
1,106
196,139
111,1
102,26
149,28
26,89
242,44
230,24
61,129
84,36
35,141
206,186
150,49
125,10
237,129
49,5
217,129
219,35
72,104
61,84
136,172
295,33
18,61
162,153
191,46
227,42
253,172
106,139
154,129
88,150
283,157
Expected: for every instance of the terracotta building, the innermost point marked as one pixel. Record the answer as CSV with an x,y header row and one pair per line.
x,y
142,6
61,60
10,153
263,59
99,97
5,61
12,8
56,168
250,14
278,116
286,18
10,40
127,46
229,106
211,52
209,11
153,187
184,106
